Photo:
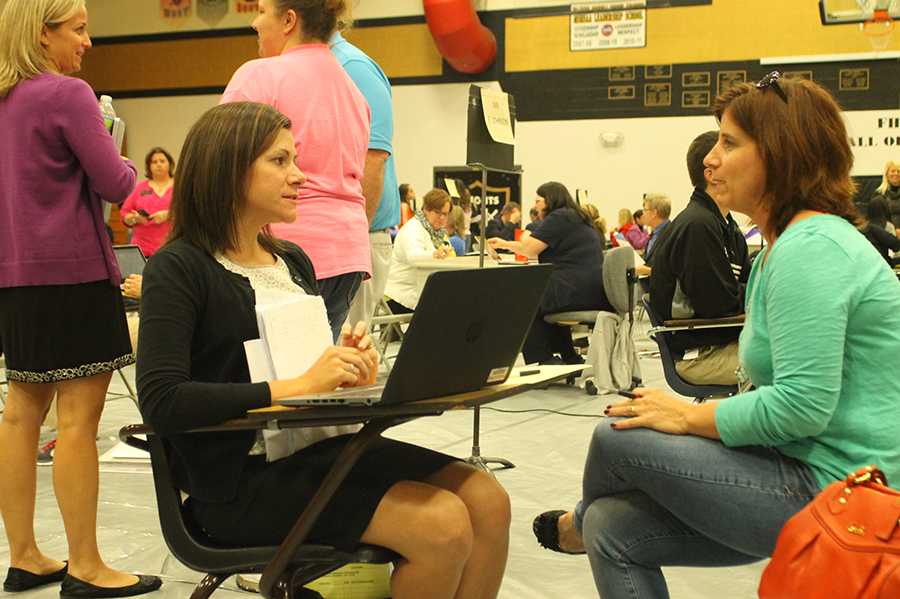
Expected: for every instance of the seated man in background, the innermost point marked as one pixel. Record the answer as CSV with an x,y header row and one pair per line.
x,y
700,270
657,208
504,225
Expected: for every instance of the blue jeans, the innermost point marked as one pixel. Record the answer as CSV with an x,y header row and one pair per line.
x,y
651,500
338,293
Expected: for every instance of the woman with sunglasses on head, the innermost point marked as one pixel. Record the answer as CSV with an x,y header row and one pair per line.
x,y
62,319
448,521
298,74
669,483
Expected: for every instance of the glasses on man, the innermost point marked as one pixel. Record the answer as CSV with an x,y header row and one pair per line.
x,y
771,81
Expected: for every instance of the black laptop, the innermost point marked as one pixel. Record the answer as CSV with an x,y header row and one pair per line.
x,y
465,334
131,262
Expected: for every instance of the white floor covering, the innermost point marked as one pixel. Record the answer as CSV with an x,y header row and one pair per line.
x,y
548,450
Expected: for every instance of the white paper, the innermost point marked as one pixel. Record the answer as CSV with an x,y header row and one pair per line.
x,y
450,184
258,361
496,116
295,332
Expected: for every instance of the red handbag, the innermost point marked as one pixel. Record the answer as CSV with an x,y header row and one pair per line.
x,y
844,545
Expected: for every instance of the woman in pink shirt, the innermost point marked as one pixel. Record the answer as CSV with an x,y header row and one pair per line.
x,y
299,76
146,210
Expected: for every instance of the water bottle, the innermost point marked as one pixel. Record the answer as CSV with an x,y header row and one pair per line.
x,y
108,112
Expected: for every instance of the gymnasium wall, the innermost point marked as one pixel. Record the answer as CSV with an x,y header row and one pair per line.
x,y
164,73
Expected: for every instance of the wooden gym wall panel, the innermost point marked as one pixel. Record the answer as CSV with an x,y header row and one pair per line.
x,y
726,30
401,50
169,65
209,61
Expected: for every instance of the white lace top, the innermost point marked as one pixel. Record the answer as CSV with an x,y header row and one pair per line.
x,y
271,284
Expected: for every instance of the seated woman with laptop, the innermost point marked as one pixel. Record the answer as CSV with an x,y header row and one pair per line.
x,y
567,239
448,521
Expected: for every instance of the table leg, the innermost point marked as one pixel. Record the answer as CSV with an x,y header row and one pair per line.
x,y
476,459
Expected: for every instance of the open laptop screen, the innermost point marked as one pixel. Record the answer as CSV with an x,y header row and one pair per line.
x,y
131,260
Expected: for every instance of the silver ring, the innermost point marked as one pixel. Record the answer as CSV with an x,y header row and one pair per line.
x,y
631,408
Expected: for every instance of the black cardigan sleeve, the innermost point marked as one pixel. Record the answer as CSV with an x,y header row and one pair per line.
x,y
175,295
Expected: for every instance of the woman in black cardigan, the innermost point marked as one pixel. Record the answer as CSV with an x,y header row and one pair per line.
x,y
449,521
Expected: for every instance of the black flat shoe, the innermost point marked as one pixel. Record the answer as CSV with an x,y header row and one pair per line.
x,y
18,580
73,588
546,530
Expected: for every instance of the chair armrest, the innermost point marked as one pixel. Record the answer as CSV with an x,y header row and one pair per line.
x,y
391,319
696,324
691,323
127,436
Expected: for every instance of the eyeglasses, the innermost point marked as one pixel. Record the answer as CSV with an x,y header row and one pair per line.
x,y
771,80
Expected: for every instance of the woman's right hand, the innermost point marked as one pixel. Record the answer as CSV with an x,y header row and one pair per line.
x,y
336,366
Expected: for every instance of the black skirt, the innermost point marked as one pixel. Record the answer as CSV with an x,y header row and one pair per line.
x,y
271,496
53,333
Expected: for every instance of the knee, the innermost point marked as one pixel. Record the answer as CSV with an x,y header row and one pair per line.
x,y
448,530
488,503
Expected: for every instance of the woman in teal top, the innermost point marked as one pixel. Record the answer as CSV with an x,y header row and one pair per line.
x,y
668,483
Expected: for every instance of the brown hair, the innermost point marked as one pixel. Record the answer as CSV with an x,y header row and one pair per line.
x,y
435,200
211,188
599,224
149,158
319,18
803,144
509,208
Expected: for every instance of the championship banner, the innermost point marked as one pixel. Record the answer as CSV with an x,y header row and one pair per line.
x,y
600,26
245,6
174,9
212,11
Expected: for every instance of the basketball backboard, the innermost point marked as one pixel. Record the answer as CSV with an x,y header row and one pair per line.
x,y
836,12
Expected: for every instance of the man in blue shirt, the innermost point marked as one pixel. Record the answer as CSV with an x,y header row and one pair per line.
x,y
379,177
657,209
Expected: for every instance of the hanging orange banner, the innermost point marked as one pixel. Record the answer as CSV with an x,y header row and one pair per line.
x,y
244,6
174,9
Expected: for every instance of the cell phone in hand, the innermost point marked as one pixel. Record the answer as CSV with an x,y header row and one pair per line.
x,y
143,212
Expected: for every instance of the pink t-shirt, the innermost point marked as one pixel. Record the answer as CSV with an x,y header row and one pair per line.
x,y
330,123
151,236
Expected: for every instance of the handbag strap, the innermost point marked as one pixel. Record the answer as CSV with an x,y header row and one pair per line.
x,y
866,475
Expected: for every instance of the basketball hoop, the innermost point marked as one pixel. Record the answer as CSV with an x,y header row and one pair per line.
x,y
879,29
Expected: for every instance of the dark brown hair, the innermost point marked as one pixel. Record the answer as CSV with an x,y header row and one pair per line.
x,y
697,151
803,144
319,18
149,158
211,188
435,200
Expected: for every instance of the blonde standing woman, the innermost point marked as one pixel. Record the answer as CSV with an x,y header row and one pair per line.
x,y
61,316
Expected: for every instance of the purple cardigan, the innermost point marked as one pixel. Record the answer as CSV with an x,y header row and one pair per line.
x,y
56,163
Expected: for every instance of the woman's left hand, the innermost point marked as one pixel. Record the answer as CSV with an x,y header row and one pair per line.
x,y
359,338
160,217
653,409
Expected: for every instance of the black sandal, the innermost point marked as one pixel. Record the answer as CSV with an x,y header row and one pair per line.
x,y
546,530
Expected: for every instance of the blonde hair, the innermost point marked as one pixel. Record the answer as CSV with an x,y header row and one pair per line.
x,y
456,222
884,181
625,217
21,23
597,222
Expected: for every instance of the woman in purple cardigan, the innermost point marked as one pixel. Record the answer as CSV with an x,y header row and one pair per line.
x,y
61,315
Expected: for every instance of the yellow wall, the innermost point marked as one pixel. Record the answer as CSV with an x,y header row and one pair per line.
x,y
722,31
